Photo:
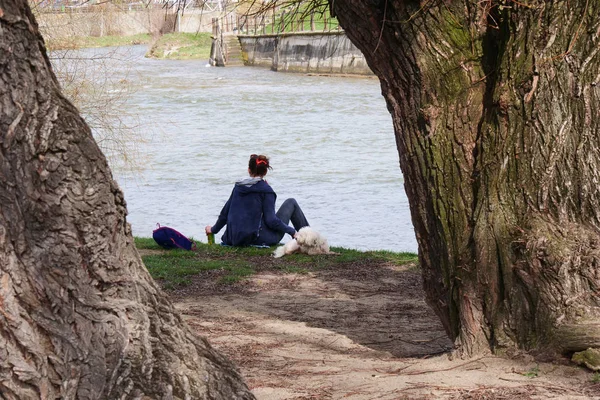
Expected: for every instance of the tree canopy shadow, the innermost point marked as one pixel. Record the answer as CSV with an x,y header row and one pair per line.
x,y
379,306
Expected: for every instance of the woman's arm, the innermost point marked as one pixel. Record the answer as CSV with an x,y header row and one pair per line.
x,y
222,220
270,217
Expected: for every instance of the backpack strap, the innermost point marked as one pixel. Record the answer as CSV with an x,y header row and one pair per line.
x,y
177,245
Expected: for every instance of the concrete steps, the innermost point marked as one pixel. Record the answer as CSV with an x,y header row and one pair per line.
x,y
233,50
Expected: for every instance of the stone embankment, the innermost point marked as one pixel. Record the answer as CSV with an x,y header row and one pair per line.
x,y
306,52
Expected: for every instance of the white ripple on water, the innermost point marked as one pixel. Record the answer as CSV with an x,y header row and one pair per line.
x,y
330,141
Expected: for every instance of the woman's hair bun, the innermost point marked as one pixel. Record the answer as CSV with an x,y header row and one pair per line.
x,y
259,164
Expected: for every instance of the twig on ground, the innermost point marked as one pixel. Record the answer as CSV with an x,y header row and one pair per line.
x,y
444,369
394,372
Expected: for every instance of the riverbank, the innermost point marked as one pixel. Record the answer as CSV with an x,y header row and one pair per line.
x,y
175,270
181,46
352,326
296,54
81,42
173,46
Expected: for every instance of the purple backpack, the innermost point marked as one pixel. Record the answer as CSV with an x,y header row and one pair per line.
x,y
169,238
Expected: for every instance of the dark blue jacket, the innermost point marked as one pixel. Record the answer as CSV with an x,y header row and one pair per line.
x,y
250,216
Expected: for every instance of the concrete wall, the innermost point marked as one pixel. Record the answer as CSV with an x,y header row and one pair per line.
x,y
104,22
193,21
310,52
259,51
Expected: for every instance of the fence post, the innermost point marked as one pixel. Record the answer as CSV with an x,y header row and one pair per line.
x,y
324,23
312,21
102,23
282,27
217,56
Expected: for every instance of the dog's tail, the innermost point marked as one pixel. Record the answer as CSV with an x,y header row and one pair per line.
x,y
279,252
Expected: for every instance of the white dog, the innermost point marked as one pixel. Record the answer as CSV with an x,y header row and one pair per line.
x,y
308,241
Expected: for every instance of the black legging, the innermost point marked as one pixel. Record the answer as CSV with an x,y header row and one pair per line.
x,y
291,211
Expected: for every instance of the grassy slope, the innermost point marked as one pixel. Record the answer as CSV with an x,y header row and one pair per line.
x,y
182,46
173,268
177,46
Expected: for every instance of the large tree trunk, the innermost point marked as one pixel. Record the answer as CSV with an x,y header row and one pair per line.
x,y
80,318
496,112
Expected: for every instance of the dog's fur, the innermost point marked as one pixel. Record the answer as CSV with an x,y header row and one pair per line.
x,y
308,241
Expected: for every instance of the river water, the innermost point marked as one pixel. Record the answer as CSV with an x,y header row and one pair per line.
x,y
330,141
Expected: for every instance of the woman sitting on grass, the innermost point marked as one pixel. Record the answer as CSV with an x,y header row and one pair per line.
x,y
250,211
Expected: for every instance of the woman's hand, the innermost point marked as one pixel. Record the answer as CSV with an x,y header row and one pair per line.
x,y
208,229
295,235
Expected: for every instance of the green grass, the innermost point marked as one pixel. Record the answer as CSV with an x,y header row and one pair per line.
x,y
596,377
356,256
79,42
146,243
533,372
176,268
182,46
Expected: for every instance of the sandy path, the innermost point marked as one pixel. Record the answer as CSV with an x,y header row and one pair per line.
x,y
360,335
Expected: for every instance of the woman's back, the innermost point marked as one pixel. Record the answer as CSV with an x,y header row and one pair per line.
x,y
244,217
250,211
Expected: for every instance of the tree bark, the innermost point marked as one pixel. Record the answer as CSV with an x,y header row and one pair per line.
x,y
495,106
80,317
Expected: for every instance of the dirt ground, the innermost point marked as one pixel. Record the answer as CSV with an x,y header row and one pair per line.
x,y
358,333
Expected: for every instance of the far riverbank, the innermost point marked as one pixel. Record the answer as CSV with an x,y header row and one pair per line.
x,y
174,46
317,53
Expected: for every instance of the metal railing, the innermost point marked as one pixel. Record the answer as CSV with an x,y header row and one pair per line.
x,y
274,23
